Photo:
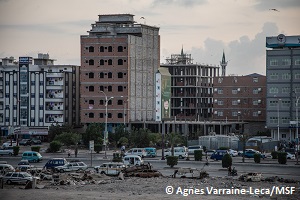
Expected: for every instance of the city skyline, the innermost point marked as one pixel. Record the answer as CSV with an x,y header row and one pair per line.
x,y
202,28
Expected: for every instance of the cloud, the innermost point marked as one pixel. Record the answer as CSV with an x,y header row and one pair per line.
x,y
278,4
187,3
245,55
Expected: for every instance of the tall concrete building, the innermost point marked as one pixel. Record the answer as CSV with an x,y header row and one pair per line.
x,y
283,86
35,93
119,59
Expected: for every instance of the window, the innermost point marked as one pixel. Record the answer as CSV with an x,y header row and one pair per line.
x,y
120,49
41,95
32,82
32,119
91,49
41,83
109,102
101,75
220,113
120,75
255,80
273,120
286,120
234,102
255,91
220,91
109,61
109,115
101,88
32,107
91,88
101,102
41,107
120,102
273,62
109,88
255,102
101,49
110,49
120,88
286,61
91,62
91,75
109,75
286,76
273,90
297,61
91,115
41,119
234,91
297,76
120,62
286,90
274,76
273,103
91,102
286,104
255,114
234,113
220,102
101,62
120,115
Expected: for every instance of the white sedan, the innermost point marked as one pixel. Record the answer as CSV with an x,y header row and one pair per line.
x,y
232,152
72,166
290,156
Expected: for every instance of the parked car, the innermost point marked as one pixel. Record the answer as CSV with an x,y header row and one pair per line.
x,y
233,153
110,168
181,152
25,142
151,151
6,168
148,173
32,156
17,177
137,151
36,141
54,162
72,166
133,160
24,162
290,156
209,152
9,144
7,151
218,154
250,154
191,149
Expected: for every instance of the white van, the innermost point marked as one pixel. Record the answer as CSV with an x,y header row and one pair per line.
x,y
133,160
137,151
181,152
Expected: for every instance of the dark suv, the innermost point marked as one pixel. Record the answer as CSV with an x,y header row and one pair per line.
x,y
25,142
54,162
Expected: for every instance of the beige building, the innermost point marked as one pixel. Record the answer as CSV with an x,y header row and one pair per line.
x,y
119,59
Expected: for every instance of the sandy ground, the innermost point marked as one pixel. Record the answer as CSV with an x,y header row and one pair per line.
x,y
135,188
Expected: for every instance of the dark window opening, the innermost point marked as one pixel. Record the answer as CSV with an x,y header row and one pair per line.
x,y
109,102
110,62
110,49
91,62
91,75
101,88
120,115
91,88
101,62
101,75
91,115
120,49
91,49
120,62
120,88
101,115
120,75
109,115
91,102
109,75
120,102
101,49
101,102
109,88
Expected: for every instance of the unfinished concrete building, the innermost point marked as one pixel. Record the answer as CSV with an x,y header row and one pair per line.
x,y
191,88
119,59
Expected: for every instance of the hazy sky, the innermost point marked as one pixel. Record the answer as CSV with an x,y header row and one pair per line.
x,y
203,27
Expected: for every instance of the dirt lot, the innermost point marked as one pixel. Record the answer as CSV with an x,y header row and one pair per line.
x,y
134,188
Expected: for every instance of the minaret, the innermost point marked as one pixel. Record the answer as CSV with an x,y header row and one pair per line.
x,y
223,63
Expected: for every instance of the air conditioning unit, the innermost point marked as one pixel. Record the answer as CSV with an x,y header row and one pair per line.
x,y
239,89
259,89
216,89
216,112
259,112
258,101
216,100
239,101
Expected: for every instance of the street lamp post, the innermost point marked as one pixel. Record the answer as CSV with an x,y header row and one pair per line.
x,y
278,118
297,127
105,131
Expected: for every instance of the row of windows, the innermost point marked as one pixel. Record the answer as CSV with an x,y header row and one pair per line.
x,y
283,62
284,120
285,90
284,76
103,49
102,61
235,91
235,114
102,74
102,115
236,102
41,119
102,102
109,88
283,103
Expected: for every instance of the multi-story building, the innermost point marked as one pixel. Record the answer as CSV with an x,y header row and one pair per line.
x,y
240,99
283,86
119,59
35,95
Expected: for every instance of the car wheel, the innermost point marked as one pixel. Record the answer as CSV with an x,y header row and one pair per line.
x,y
10,154
180,157
9,182
61,171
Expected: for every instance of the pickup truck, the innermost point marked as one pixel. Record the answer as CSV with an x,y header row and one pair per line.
x,y
6,152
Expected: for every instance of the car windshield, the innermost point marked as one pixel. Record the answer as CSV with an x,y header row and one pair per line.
x,y
26,175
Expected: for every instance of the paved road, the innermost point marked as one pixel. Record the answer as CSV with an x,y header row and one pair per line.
x,y
268,167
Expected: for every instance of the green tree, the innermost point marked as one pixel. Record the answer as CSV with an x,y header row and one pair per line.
x,y
93,132
155,139
243,139
139,138
68,139
123,141
57,129
54,146
119,133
